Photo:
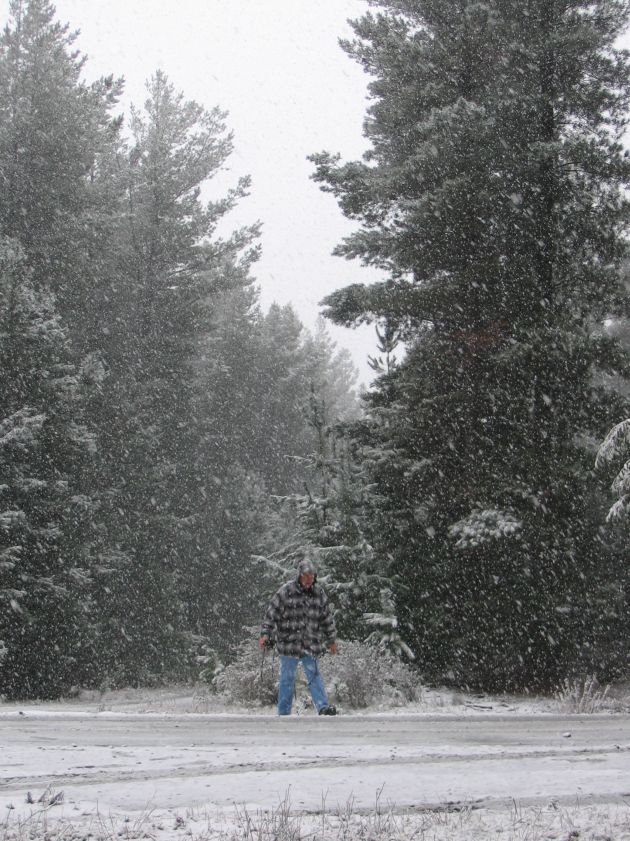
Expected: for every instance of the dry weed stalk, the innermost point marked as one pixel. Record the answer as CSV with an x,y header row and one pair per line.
x,y
583,695
384,822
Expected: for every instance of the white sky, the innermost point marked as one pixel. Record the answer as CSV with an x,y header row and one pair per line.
x,y
276,67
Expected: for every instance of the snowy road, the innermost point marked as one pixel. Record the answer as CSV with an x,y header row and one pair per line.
x,y
128,764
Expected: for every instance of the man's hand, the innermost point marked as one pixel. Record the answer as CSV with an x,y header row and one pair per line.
x,y
263,642
333,647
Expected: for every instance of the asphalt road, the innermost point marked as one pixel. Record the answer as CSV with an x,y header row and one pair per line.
x,y
128,763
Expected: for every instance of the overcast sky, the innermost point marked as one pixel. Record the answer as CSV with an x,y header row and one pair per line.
x,y
276,67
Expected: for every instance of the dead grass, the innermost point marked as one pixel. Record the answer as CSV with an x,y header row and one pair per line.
x,y
585,695
452,822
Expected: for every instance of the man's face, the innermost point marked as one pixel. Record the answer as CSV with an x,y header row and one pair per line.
x,y
307,580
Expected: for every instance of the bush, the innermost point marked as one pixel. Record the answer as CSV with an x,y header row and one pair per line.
x,y
359,676
250,678
362,675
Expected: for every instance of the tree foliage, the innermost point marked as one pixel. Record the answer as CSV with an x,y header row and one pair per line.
x,y
149,410
492,197
46,503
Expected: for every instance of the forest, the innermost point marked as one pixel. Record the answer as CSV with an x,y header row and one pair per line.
x,y
169,450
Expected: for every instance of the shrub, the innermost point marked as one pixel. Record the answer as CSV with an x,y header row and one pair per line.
x,y
362,675
250,678
359,676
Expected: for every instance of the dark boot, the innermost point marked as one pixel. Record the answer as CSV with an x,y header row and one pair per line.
x,y
328,710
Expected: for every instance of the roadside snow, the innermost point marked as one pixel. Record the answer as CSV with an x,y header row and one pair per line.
x,y
202,702
174,762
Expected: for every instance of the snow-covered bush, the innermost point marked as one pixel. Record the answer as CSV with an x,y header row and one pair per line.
x,y
361,675
252,677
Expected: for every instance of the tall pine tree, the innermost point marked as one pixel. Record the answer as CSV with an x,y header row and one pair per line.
x,y
55,135
493,199
172,273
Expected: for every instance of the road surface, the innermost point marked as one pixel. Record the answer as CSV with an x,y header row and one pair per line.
x,y
130,763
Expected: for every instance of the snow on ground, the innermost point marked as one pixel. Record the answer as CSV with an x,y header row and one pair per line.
x,y
199,700
170,763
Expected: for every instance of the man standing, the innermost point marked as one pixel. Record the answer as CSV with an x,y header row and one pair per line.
x,y
300,615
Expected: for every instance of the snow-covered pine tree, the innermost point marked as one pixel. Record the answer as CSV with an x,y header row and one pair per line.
x,y
58,140
57,146
280,400
257,377
492,198
46,506
220,591
278,365
612,460
331,374
388,338
172,274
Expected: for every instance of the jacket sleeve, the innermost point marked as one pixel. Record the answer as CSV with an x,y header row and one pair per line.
x,y
273,614
327,622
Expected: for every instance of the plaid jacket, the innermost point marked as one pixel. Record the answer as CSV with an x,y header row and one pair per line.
x,y
300,620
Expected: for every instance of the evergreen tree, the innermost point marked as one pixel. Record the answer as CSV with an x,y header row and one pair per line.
x,y
259,377
332,374
57,139
57,142
492,196
280,368
46,507
221,591
279,426
172,273
293,387
614,451
304,386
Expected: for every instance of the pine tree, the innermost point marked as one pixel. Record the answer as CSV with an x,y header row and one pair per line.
x,y
46,506
614,451
331,374
492,198
279,366
221,590
259,377
172,273
57,141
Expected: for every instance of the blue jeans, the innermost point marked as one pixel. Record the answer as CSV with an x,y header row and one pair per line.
x,y
286,686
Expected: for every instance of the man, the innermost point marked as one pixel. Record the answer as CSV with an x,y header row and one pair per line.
x,y
300,615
